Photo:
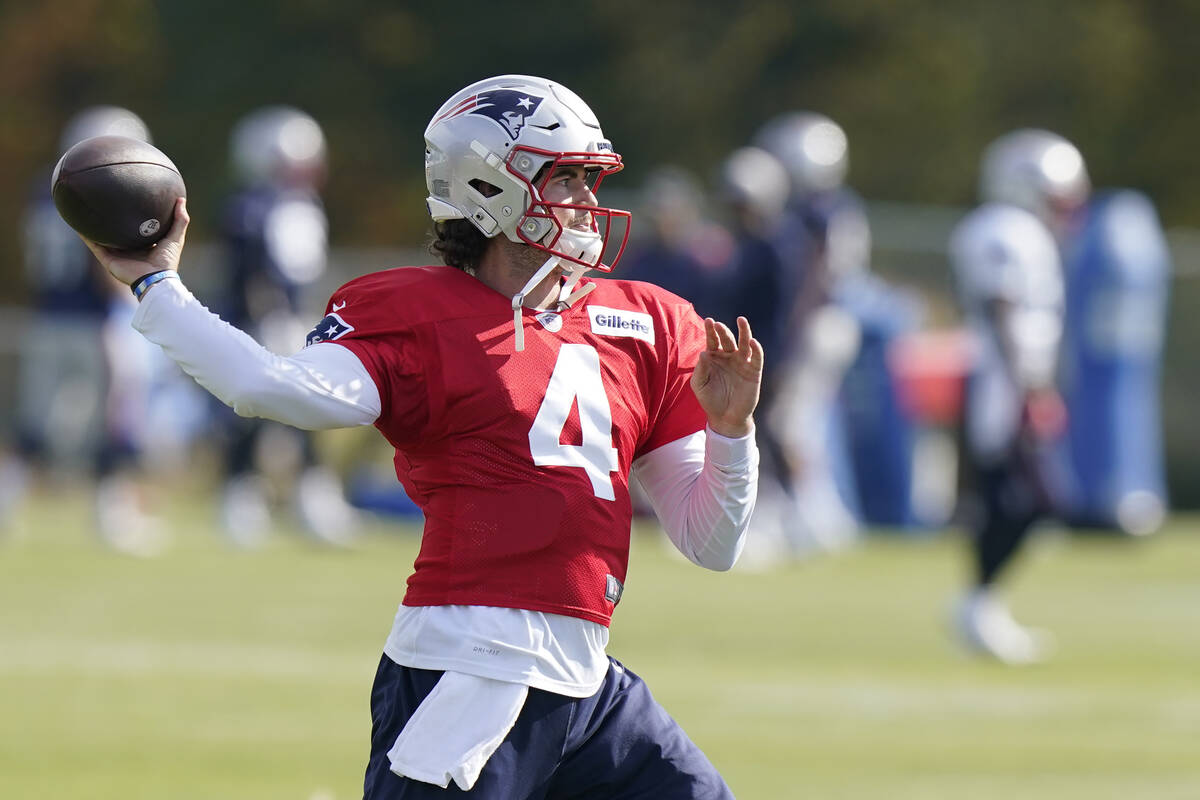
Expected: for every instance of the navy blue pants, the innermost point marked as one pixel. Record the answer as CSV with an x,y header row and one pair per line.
x,y
618,743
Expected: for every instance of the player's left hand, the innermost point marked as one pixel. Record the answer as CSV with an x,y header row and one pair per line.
x,y
728,376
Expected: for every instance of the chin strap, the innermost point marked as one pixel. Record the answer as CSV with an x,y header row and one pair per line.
x,y
566,302
518,300
568,295
589,246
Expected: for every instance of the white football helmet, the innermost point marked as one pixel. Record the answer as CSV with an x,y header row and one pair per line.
x,y
490,151
812,148
1036,170
672,199
278,144
756,183
102,121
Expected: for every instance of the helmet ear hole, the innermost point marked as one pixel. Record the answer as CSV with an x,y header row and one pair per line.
x,y
484,188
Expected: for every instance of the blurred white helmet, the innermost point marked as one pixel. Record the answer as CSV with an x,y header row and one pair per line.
x,y
1036,170
491,149
811,147
278,144
102,121
755,182
672,199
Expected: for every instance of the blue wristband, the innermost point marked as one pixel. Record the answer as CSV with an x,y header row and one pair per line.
x,y
146,281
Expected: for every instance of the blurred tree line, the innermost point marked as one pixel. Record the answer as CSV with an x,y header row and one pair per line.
x,y
919,85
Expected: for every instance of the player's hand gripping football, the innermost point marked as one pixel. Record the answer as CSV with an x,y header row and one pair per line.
x,y
728,376
127,266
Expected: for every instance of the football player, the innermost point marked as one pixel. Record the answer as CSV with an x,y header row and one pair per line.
x,y
76,394
1009,281
752,187
823,239
521,396
679,248
275,236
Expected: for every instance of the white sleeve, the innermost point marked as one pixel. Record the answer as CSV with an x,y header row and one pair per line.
x,y
323,386
703,488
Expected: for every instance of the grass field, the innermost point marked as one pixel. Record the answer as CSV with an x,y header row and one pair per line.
x,y
209,673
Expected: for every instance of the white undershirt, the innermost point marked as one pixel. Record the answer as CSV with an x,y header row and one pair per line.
x,y
701,486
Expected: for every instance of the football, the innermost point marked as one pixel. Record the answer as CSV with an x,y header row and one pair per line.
x,y
117,191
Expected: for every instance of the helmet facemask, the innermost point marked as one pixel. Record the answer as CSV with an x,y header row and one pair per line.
x,y
540,227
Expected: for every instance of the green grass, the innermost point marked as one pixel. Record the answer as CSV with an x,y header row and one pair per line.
x,y
210,673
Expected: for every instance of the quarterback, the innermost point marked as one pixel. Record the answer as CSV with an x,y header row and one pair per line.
x,y
521,395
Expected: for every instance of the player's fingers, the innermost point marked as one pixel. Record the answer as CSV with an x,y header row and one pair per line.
x,y
700,373
179,226
744,337
725,336
169,250
756,354
710,334
749,348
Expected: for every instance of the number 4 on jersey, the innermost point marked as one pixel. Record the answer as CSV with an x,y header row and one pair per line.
x,y
576,377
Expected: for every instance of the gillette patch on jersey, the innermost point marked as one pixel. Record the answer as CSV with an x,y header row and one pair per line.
x,y
621,322
328,329
613,590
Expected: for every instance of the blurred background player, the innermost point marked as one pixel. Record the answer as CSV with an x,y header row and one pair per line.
x,y
276,239
77,401
752,189
681,249
823,239
1009,280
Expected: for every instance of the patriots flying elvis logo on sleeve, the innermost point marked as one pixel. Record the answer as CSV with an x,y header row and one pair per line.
x,y
507,107
330,328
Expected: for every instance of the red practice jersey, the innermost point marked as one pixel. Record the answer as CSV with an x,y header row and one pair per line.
x,y
520,461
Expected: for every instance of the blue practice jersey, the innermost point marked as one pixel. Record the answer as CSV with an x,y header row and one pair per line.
x,y
62,275
276,242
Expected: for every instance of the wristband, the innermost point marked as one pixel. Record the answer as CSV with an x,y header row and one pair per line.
x,y
142,284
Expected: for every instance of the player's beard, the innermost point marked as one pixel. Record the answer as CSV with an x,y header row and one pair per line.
x,y
524,260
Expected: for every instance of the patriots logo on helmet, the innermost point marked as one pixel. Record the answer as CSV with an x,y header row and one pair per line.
x,y
507,107
330,328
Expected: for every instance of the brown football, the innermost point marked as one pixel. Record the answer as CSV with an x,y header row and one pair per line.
x,y
117,191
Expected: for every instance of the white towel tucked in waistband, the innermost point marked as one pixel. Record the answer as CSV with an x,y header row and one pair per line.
x,y
456,729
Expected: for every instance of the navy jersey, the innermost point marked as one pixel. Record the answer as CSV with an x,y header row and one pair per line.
x,y
63,276
823,237
276,243
758,289
697,270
